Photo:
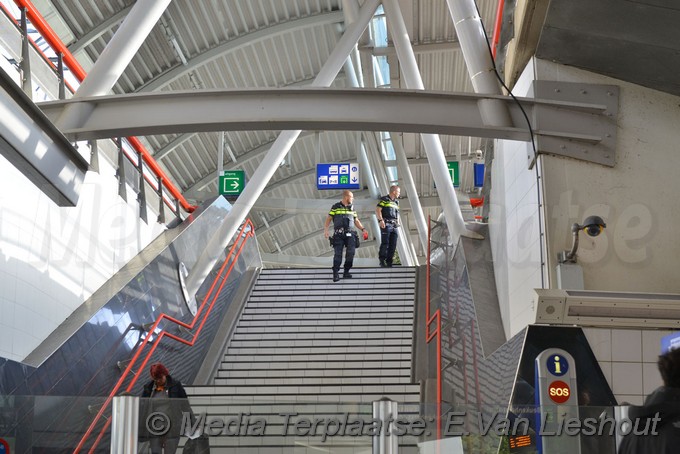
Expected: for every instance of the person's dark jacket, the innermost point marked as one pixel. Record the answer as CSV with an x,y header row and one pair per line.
x,y
176,407
666,402
175,389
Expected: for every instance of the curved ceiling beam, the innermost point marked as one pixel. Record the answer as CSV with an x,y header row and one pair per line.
x,y
99,30
248,39
317,109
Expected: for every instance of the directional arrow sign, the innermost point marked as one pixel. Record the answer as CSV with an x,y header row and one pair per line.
x,y
232,182
453,171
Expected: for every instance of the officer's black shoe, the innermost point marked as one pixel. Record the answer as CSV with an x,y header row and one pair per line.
x,y
389,265
383,264
346,275
336,276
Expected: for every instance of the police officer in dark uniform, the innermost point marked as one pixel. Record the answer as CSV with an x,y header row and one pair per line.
x,y
343,216
387,212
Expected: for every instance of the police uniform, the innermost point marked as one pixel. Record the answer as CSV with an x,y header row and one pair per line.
x,y
389,211
343,236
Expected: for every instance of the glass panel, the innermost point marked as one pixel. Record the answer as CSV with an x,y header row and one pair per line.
x,y
59,424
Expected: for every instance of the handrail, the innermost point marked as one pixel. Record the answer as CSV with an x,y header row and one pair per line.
x,y
246,231
55,42
37,48
497,28
437,331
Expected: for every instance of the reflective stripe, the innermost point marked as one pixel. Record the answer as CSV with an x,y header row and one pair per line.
x,y
384,204
342,211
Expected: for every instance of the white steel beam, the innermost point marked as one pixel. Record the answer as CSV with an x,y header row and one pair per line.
x,y
416,111
431,142
276,154
115,57
321,206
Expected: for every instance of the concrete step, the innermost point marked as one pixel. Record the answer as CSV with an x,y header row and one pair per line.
x,y
320,359
333,367
336,342
299,373
331,393
320,336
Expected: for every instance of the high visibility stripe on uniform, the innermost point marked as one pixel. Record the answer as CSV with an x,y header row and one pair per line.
x,y
385,204
342,211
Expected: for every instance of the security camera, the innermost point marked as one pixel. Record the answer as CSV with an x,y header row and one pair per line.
x,y
593,225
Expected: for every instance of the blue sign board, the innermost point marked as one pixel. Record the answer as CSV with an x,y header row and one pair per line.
x,y
337,176
670,342
557,365
479,174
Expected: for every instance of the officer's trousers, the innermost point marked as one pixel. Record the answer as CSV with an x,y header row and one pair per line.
x,y
341,241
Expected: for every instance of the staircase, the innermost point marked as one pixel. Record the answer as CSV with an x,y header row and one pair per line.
x,y
321,350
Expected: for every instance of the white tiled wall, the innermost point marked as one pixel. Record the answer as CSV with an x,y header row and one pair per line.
x,y
628,358
53,258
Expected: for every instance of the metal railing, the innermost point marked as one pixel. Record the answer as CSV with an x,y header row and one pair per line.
x,y
437,331
161,180
246,231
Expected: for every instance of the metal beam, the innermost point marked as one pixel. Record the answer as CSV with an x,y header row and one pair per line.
x,y
34,146
249,39
317,206
321,109
418,48
99,30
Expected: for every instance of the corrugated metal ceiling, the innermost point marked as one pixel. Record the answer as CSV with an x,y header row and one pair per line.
x,y
227,44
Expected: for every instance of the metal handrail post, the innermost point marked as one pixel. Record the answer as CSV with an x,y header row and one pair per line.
x,y
125,424
385,441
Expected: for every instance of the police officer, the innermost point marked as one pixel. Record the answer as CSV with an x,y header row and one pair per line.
x,y
343,216
387,212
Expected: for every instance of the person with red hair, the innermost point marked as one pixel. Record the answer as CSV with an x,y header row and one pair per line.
x,y
159,391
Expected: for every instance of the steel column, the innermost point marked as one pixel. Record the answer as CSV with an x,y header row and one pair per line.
x,y
276,154
475,49
433,146
115,57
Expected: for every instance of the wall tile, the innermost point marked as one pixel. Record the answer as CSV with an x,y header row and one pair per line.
x,y
651,379
626,345
631,399
651,345
627,378
600,340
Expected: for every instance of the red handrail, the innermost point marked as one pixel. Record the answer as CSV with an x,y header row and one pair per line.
x,y
246,231
55,42
37,48
437,331
497,28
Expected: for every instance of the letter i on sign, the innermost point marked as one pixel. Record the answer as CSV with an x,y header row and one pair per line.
x,y
558,369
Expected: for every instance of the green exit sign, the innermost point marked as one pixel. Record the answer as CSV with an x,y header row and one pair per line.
x,y
232,182
453,171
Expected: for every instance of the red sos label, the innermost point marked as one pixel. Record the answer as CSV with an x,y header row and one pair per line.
x,y
559,392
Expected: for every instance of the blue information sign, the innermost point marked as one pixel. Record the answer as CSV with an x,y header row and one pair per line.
x,y
670,342
337,176
557,365
479,174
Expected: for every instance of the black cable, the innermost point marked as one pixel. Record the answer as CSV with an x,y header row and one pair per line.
x,y
533,146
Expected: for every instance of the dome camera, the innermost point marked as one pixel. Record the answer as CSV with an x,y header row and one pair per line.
x,y
593,225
